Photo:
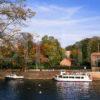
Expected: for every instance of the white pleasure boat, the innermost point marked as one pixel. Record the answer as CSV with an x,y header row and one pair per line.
x,y
63,76
13,76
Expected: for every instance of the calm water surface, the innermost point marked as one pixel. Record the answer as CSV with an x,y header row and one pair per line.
x,y
48,90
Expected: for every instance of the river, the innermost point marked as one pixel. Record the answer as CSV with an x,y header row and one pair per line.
x,y
48,90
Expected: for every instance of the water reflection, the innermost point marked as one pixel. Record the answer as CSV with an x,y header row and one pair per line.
x,y
48,90
14,83
73,90
9,89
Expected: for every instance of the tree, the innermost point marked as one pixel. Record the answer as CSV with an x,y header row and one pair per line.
x,y
13,13
88,46
52,50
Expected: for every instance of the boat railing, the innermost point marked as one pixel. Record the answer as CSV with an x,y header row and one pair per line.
x,y
73,73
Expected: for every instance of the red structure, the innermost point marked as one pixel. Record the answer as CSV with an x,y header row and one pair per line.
x,y
95,61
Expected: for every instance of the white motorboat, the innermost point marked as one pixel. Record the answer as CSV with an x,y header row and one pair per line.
x,y
13,76
63,76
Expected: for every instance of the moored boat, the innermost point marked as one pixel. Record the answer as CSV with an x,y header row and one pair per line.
x,y
63,76
13,76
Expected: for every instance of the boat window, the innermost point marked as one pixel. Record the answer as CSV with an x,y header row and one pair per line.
x,y
71,76
78,77
60,76
82,77
65,76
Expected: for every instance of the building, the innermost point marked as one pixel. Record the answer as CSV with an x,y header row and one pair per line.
x,y
95,61
67,54
66,62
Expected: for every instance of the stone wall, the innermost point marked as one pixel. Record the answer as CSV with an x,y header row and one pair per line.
x,y
45,74
95,75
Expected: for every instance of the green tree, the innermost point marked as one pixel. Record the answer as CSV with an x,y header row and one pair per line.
x,y
88,46
13,13
52,50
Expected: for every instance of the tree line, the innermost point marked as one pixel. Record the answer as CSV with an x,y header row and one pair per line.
x,y
82,50
19,49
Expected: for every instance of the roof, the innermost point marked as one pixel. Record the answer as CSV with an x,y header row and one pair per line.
x,y
66,62
95,53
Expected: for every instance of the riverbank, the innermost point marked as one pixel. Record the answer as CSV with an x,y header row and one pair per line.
x,y
45,74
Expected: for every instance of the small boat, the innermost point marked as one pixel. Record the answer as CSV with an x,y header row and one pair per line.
x,y
63,76
13,76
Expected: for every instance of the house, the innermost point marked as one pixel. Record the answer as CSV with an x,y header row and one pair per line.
x,y
95,61
66,62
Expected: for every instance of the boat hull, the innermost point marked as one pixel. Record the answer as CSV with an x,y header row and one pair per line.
x,y
13,77
72,80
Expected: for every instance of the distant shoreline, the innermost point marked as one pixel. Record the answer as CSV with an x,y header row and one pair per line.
x,y
45,74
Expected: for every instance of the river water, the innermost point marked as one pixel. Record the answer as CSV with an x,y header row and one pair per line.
x,y
48,90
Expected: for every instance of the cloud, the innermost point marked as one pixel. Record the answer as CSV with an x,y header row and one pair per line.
x,y
59,22
90,23
67,31
52,10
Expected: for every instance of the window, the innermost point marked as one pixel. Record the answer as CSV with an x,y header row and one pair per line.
x,y
65,76
60,76
78,77
71,76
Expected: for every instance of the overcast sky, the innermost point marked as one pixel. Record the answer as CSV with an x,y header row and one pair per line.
x,y
67,20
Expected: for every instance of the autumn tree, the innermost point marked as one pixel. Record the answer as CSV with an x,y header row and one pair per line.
x,y
87,46
12,15
52,50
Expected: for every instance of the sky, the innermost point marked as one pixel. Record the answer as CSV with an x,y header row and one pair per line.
x,y
67,20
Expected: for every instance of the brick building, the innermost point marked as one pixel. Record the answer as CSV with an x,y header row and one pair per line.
x,y
95,61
